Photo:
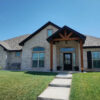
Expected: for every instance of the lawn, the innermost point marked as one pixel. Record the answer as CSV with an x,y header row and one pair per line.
x,y
23,85
85,86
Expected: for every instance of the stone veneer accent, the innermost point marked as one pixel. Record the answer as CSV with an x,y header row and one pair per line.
x,y
8,58
3,57
12,58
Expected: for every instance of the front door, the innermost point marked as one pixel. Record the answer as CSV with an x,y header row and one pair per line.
x,y
67,61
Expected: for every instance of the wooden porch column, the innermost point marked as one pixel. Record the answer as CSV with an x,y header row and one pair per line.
x,y
51,56
81,51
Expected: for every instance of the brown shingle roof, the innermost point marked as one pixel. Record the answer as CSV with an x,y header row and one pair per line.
x,y
5,45
13,44
91,42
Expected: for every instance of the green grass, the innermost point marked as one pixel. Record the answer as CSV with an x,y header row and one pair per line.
x,y
85,86
23,85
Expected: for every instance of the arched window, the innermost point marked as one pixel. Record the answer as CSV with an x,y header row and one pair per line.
x,y
38,57
38,49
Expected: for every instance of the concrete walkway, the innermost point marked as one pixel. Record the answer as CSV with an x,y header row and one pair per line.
x,y
58,89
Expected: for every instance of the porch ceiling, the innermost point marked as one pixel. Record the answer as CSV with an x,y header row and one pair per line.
x,y
66,33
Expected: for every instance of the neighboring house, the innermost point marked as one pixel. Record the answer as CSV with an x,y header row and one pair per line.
x,y
51,48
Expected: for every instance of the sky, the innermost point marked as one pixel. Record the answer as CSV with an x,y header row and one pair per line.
x,y
19,17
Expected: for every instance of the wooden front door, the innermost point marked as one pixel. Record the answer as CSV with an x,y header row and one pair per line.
x,y
67,61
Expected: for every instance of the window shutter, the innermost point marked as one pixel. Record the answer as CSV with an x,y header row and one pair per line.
x,y
89,59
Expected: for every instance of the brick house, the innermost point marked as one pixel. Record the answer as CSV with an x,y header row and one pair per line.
x,y
51,48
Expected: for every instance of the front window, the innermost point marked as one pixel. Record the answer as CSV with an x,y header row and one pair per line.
x,y
38,57
50,31
96,59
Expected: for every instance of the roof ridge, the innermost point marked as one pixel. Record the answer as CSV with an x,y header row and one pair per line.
x,y
93,36
13,43
15,37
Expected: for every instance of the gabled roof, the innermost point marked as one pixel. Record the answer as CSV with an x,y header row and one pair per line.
x,y
37,31
13,44
68,29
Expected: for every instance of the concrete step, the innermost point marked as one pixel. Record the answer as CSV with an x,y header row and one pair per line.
x,y
60,82
55,93
64,76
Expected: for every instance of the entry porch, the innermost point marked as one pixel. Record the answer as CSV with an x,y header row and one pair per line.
x,y
66,50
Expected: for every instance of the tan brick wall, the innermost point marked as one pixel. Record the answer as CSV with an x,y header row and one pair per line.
x,y
12,58
37,40
85,55
3,57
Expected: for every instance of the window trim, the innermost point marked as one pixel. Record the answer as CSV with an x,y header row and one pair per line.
x,y
92,57
38,47
38,56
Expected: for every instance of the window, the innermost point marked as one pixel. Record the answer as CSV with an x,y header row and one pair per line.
x,y
38,57
38,49
67,49
96,59
50,31
17,54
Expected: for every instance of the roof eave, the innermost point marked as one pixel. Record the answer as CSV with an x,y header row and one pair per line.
x,y
10,50
86,47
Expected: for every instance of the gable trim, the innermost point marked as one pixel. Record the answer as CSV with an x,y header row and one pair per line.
x,y
56,34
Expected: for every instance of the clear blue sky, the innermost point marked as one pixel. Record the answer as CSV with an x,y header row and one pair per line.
x,y
18,17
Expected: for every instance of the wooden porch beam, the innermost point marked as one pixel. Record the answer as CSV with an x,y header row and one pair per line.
x,y
59,39
51,56
81,51
68,36
65,33
61,36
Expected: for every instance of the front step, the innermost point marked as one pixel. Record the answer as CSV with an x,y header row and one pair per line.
x,y
64,76
55,93
60,82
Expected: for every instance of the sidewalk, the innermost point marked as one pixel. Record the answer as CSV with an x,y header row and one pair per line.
x,y
58,89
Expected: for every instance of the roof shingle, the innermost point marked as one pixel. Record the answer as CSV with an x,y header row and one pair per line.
x,y
13,44
92,42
